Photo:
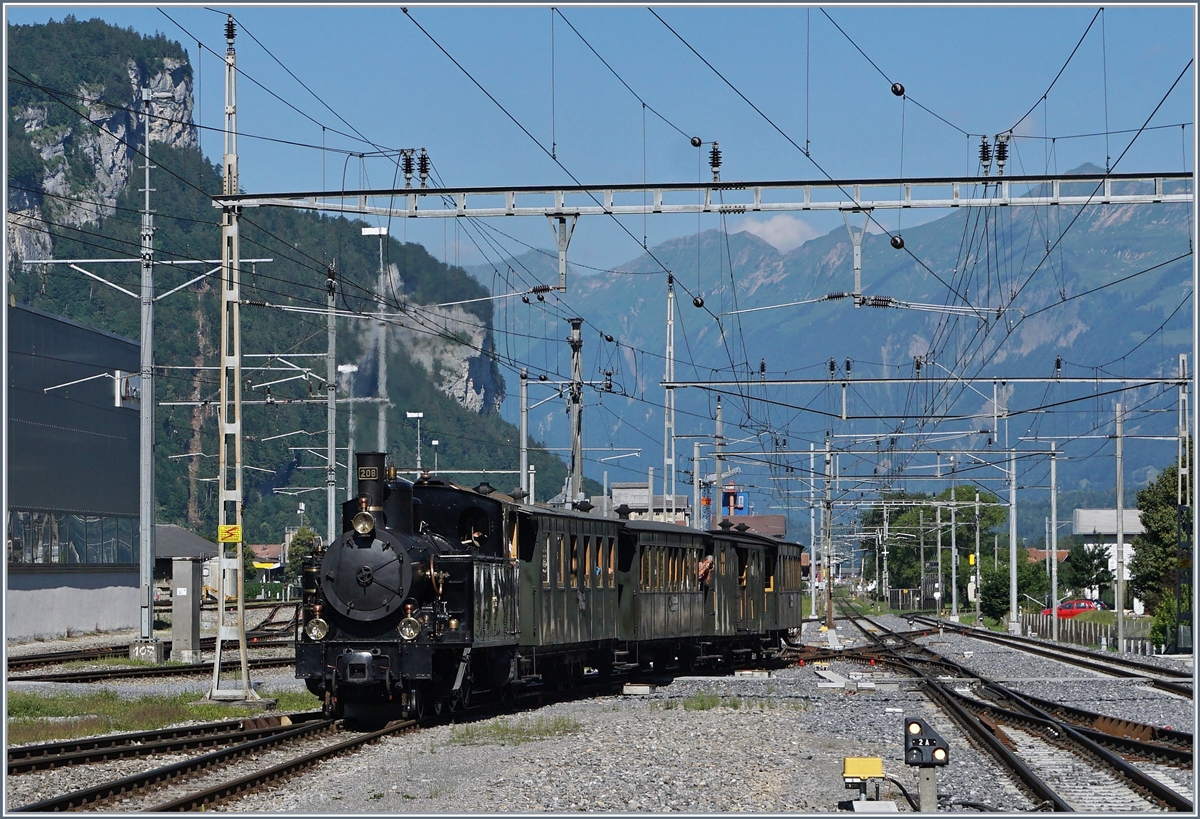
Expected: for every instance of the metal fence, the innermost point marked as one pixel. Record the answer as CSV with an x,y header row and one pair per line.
x,y
1095,635
910,600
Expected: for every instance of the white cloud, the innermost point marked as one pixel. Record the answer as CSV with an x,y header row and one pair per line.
x,y
784,231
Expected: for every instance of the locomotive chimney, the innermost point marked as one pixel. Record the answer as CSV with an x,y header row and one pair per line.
x,y
372,482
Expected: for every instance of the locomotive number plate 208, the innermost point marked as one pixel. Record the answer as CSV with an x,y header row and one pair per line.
x,y
368,473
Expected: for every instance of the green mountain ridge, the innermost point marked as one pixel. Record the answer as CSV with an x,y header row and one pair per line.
x,y
284,439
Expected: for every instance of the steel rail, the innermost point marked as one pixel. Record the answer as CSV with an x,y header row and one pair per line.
x,y
1106,724
184,742
99,675
1112,666
1134,776
22,753
1125,744
136,782
217,793
25,661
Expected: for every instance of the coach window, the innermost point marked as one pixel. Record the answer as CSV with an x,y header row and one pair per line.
x,y
741,558
546,562
585,566
610,561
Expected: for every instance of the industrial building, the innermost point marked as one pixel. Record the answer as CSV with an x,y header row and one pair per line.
x,y
72,516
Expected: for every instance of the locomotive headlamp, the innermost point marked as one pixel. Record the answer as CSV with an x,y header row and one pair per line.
x,y
363,523
409,628
316,629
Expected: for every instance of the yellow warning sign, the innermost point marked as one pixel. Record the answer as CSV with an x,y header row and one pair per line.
x,y
229,534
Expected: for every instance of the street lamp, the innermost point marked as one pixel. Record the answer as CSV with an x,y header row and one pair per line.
x,y
418,416
435,458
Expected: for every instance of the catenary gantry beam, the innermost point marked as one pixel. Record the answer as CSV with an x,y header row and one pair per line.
x,y
739,197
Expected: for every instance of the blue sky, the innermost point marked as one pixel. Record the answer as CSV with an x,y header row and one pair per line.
x,y
979,68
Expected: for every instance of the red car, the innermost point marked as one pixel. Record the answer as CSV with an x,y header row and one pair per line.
x,y
1070,608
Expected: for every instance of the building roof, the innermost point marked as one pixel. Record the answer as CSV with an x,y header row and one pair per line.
x,y
1039,555
174,541
267,551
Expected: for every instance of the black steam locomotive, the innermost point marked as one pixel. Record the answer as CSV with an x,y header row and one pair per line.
x,y
436,593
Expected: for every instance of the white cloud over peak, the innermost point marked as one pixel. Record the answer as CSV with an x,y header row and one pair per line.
x,y
783,231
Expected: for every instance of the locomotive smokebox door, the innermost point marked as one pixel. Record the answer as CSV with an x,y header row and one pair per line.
x,y
366,577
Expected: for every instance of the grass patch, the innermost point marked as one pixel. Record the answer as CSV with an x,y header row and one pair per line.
x,y
38,717
514,732
701,702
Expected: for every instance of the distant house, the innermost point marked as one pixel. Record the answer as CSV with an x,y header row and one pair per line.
x,y
1039,555
268,560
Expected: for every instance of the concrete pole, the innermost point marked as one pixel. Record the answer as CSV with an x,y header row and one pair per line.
x,y
650,491
331,522
1053,542
524,448
381,346
575,481
953,559
720,459
941,597
921,534
1014,620
146,411
1120,601
885,586
351,483
696,518
828,534
812,528
669,409
978,585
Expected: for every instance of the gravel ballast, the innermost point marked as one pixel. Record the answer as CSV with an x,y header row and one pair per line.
x,y
773,744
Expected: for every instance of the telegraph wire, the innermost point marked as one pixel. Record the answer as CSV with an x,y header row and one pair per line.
x,y
645,104
888,79
1060,71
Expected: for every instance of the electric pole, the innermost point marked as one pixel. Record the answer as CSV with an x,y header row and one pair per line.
x,y
575,481
1120,601
331,521
669,410
229,529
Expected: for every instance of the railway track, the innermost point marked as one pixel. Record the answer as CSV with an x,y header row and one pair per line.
x,y
91,750
1060,762
87,655
1171,680
142,671
146,789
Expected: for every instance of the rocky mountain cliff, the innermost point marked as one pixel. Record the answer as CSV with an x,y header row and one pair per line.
x,y
80,139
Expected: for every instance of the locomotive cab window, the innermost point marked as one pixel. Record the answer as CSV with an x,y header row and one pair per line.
x,y
474,528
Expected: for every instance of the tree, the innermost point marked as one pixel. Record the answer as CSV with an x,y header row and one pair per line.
x,y
1032,580
1086,566
301,546
1152,568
